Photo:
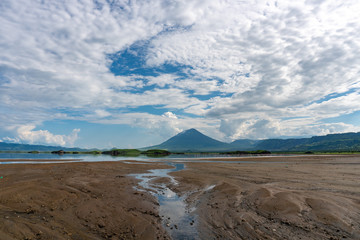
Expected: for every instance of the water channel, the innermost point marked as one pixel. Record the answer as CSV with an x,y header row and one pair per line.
x,y
179,221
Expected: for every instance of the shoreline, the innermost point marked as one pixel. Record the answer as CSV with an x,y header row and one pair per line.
x,y
39,160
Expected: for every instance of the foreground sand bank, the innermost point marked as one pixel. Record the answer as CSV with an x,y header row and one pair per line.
x,y
305,197
76,201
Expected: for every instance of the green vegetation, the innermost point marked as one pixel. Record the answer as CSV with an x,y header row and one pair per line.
x,y
60,152
344,142
34,152
92,152
135,152
249,152
156,153
74,152
123,152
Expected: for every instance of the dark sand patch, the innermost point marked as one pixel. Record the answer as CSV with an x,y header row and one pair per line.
x,y
76,201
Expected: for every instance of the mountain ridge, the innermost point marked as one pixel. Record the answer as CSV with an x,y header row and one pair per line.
x,y
192,140
4,146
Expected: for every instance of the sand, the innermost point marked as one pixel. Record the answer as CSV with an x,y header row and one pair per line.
x,y
287,198
76,201
303,197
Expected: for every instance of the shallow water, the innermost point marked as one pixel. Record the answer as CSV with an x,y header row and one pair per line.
x,y
55,158
101,157
177,219
85,157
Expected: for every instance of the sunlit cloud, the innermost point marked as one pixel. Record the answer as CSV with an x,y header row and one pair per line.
x,y
28,134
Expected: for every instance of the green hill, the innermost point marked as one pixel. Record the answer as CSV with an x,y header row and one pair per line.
x,y
330,142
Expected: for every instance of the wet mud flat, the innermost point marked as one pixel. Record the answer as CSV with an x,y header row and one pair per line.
x,y
305,197
177,217
77,201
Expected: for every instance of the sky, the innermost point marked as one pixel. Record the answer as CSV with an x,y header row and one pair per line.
x,y
130,74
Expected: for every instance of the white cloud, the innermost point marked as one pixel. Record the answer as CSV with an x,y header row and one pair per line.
x,y
238,128
170,115
27,134
278,59
162,80
102,113
252,129
10,140
294,53
165,125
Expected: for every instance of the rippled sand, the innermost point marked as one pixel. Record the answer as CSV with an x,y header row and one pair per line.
x,y
302,198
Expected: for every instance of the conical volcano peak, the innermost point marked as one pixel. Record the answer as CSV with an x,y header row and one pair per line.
x,y
191,131
191,140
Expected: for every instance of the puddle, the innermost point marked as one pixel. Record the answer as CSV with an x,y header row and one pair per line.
x,y
178,220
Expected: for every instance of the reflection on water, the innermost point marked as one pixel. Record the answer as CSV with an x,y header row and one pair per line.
x,y
55,158
101,157
37,162
34,156
179,221
87,157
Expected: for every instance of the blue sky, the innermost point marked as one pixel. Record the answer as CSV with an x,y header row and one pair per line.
x,y
120,74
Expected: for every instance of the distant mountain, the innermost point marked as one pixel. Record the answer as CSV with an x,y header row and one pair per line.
x,y
330,142
243,145
194,141
41,148
191,140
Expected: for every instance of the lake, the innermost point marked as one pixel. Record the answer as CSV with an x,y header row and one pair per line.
x,y
55,158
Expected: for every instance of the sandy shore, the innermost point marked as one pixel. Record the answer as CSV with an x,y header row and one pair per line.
x,y
305,197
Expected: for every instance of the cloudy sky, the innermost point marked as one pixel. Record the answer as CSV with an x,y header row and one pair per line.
x,y
122,73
